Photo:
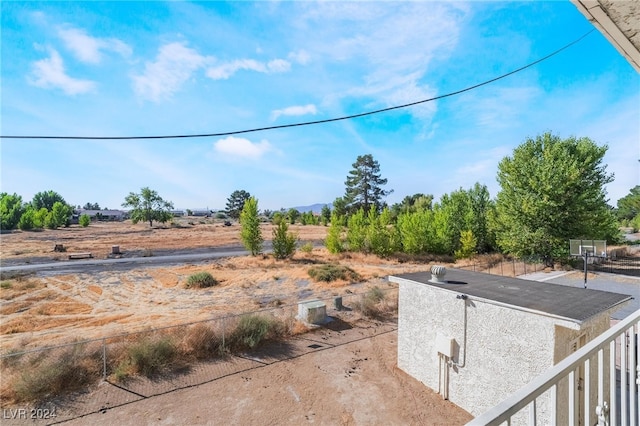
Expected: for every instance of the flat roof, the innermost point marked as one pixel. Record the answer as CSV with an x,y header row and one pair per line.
x,y
572,303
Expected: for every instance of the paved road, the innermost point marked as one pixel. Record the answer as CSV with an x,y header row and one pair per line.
x,y
68,266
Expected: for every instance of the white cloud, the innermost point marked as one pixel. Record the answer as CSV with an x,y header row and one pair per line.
x,y
294,110
174,64
301,57
241,147
226,70
396,46
87,48
49,73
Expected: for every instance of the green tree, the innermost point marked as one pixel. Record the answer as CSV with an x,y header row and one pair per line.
x,y
481,209
84,220
11,209
340,207
416,232
325,215
412,204
455,211
333,241
277,217
629,205
46,199
59,215
235,203
148,206
552,189
27,220
284,242
364,185
91,206
250,233
40,217
357,231
293,215
379,234
467,245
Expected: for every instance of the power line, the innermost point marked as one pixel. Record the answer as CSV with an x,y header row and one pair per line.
x,y
309,123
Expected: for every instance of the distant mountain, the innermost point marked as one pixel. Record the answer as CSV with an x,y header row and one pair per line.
x,y
315,208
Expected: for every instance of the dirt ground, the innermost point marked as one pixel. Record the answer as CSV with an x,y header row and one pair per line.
x,y
354,384
357,383
53,308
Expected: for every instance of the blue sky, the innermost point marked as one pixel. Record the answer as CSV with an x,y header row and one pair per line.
x,y
152,68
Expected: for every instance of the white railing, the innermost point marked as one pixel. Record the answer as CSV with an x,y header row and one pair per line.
x,y
618,406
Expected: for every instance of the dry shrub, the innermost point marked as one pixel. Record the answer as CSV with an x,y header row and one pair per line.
x,y
252,330
201,342
375,304
333,272
148,357
52,373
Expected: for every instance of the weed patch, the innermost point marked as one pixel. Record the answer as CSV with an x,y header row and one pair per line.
x,y
252,330
70,370
374,304
147,358
332,272
201,280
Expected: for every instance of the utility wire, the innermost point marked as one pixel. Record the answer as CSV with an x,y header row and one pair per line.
x,y
309,123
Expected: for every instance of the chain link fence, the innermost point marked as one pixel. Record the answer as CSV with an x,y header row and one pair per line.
x,y
77,379
505,268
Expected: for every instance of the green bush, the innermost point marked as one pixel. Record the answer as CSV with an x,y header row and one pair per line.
x,y
147,357
307,247
252,330
201,280
332,272
284,242
84,220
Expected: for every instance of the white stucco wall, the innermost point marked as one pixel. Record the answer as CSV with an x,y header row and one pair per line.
x,y
506,347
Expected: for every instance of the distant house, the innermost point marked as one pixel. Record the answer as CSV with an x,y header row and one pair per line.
x,y
104,215
177,213
201,213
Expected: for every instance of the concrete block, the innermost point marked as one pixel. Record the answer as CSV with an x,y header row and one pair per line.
x,y
312,312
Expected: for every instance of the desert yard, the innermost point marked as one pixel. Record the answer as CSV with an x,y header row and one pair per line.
x,y
48,308
341,385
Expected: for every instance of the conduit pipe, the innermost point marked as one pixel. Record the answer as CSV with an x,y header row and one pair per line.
x,y
443,375
464,299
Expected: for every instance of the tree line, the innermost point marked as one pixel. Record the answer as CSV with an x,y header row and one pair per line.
x,y
551,190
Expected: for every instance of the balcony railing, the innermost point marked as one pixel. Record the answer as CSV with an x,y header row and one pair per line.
x,y
612,356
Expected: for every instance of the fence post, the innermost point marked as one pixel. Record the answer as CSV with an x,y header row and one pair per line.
x,y
104,359
514,267
501,271
224,329
524,263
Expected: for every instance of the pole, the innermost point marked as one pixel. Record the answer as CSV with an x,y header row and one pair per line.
x,y
104,359
586,256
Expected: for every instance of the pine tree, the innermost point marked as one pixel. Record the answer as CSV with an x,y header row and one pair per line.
x,y
364,185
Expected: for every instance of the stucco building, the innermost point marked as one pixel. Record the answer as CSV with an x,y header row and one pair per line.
x,y
476,338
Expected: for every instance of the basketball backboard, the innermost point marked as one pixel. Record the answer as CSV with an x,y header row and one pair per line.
x,y
590,248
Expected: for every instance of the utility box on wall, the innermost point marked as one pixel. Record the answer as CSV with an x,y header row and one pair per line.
x,y
476,338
